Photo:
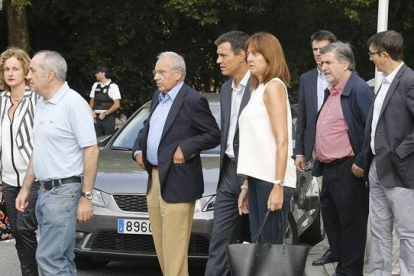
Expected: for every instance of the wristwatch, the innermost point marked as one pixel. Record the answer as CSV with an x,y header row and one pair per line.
x,y
87,195
279,182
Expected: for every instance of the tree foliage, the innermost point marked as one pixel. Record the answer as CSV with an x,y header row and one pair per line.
x,y
128,35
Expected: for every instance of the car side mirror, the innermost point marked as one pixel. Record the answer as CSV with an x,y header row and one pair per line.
x,y
103,140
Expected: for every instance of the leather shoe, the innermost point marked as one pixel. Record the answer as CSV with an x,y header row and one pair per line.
x,y
325,259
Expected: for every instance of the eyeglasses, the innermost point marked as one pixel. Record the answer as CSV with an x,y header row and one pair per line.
x,y
162,72
374,53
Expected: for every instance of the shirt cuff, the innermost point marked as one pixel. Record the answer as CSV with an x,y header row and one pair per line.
x,y
137,152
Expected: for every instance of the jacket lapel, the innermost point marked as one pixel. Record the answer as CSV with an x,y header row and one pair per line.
x,y
175,108
245,99
313,98
226,110
391,89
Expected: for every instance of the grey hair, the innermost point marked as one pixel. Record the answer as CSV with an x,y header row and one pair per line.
x,y
342,51
177,61
54,61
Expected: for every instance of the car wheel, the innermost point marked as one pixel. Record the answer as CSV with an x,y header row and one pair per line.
x,y
291,236
315,233
87,263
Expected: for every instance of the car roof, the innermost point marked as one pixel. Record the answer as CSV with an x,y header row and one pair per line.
x,y
212,98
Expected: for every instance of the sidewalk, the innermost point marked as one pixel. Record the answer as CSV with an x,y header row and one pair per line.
x,y
329,269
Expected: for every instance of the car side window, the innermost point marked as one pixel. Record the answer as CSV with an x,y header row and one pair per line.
x,y
128,134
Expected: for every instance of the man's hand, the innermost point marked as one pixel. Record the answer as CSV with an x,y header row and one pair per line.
x,y
357,171
85,209
21,199
275,200
94,115
300,163
140,160
102,115
178,156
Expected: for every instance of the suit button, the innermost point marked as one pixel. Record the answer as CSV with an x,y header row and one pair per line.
x,y
21,147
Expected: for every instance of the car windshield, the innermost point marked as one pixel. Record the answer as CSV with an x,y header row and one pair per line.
x,y
126,138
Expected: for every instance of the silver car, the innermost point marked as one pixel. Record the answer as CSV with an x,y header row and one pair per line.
x,y
120,227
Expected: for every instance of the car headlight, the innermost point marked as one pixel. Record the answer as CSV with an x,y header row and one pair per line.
x,y
97,198
205,204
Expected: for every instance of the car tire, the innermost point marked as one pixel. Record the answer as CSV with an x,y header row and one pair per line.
x,y
315,233
88,263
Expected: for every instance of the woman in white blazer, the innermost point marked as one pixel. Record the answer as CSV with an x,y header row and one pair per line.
x,y
17,106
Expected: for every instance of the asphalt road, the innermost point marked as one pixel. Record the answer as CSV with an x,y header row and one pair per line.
x,y
10,266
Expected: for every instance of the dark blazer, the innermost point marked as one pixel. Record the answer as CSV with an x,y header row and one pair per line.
x,y
191,126
356,101
394,136
307,112
225,105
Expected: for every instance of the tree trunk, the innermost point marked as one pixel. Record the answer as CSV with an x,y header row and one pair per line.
x,y
18,27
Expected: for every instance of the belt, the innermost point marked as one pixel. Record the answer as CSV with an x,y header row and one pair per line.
x,y
155,167
232,161
339,161
48,185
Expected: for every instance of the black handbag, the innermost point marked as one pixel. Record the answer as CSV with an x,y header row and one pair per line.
x,y
5,229
267,259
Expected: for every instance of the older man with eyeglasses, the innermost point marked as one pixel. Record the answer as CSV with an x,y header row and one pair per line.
x,y
179,127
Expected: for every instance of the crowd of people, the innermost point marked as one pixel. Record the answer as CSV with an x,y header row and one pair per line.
x,y
358,143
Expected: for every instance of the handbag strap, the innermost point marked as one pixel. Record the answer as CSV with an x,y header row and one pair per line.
x,y
281,224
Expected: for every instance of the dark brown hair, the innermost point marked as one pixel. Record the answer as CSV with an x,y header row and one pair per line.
x,y
269,46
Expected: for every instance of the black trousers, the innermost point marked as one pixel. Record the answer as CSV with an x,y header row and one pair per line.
x,y
105,126
345,206
227,221
23,227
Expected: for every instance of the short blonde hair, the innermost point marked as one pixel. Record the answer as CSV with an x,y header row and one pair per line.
x,y
21,56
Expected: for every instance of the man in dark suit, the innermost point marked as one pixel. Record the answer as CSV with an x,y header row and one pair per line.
x,y
311,94
389,156
179,127
340,158
234,95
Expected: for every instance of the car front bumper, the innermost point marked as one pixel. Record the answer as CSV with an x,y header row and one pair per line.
x,y
99,238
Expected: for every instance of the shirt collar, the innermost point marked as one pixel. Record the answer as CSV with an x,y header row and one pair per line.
x,y
320,73
242,83
172,93
27,93
339,88
59,95
103,84
390,77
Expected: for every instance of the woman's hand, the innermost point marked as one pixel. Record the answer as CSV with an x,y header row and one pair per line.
x,y
275,200
243,202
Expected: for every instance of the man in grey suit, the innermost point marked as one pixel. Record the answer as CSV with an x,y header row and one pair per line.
x,y
311,95
389,156
234,95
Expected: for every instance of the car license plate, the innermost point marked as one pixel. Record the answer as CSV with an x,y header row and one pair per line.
x,y
134,226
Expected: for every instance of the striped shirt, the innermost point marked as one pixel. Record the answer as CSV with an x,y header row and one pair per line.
x,y
16,137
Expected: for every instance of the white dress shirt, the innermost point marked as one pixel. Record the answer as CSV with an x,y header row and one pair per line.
x,y
379,101
236,98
